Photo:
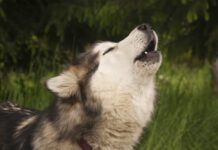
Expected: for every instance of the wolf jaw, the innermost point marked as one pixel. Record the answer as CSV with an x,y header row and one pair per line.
x,y
105,97
150,52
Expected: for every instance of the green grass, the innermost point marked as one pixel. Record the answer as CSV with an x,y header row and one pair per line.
x,y
186,116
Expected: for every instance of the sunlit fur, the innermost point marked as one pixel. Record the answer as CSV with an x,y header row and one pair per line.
x,y
105,97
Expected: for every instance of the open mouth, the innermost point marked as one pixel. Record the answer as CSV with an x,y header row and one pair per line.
x,y
150,53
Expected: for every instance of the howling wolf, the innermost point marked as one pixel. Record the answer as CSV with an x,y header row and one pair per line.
x,y
103,100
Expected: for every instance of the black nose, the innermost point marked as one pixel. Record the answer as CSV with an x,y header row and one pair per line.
x,y
144,27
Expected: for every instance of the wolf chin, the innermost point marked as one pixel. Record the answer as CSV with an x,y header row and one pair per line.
x,y
106,98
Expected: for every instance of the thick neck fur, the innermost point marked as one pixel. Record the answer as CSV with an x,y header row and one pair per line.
x,y
127,107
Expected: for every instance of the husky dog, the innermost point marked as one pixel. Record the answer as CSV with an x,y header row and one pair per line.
x,y
103,100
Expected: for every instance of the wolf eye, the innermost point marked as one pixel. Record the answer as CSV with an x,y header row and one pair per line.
x,y
107,51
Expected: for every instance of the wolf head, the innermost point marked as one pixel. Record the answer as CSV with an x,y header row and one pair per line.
x,y
111,66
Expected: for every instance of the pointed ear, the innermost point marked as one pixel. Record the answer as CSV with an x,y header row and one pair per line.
x,y
64,85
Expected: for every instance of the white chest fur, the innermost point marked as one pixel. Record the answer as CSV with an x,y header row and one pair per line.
x,y
126,111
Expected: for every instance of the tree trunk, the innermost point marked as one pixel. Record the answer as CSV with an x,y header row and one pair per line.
x,y
215,74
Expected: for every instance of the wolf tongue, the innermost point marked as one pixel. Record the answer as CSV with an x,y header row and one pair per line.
x,y
153,56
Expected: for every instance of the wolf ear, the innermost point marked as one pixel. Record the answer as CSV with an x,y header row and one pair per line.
x,y
64,85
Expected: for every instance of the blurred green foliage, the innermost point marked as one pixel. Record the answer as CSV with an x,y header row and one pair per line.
x,y
39,30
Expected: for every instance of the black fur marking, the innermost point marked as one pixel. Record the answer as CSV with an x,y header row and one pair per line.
x,y
25,136
109,50
91,104
86,58
10,117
